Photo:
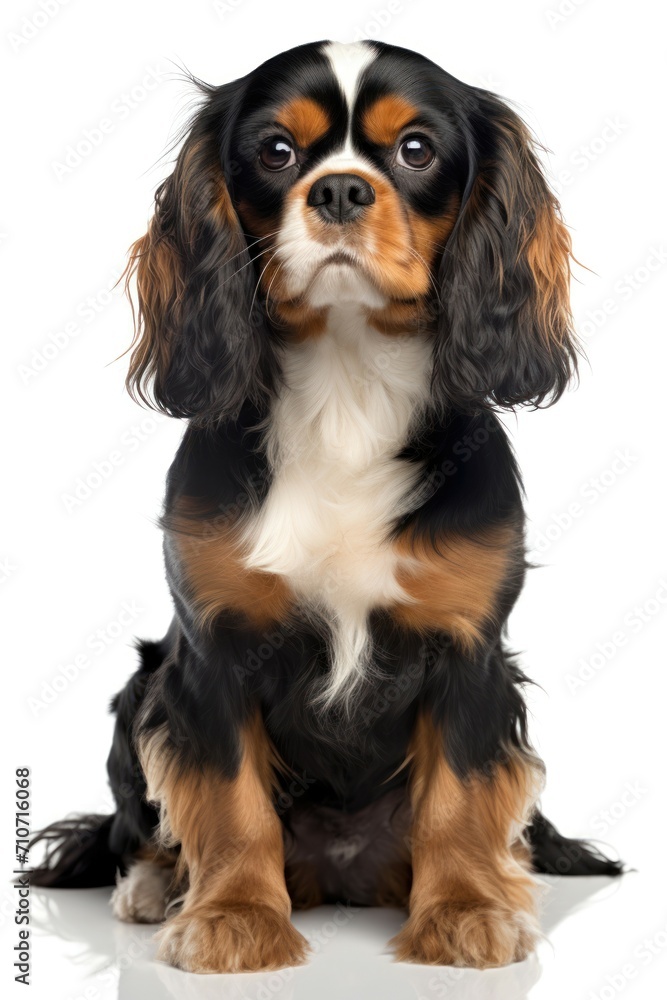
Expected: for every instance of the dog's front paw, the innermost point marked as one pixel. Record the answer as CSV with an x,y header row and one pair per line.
x,y
474,935
241,938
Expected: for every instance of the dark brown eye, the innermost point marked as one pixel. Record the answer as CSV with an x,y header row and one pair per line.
x,y
277,153
416,153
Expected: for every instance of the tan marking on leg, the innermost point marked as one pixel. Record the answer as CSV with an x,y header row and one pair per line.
x,y
157,854
395,883
303,886
235,915
454,589
384,120
212,558
305,119
473,899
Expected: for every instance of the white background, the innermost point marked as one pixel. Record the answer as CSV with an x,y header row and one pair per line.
x,y
591,82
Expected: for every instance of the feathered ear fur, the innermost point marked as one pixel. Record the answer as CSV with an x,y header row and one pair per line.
x,y
505,335
200,346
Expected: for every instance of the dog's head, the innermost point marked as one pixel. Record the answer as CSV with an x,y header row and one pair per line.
x,y
362,174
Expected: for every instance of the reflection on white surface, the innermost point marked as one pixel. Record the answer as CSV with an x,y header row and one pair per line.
x,y
94,957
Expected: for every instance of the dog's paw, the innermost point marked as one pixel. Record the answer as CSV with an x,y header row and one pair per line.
x,y
141,896
473,935
242,938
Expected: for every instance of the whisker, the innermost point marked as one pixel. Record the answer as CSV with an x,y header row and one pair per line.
x,y
247,264
268,291
432,245
254,295
429,272
254,243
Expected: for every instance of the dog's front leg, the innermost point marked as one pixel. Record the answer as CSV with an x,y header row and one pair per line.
x,y
473,899
236,912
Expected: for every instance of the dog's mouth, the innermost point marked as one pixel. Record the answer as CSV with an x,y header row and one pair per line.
x,y
342,276
339,257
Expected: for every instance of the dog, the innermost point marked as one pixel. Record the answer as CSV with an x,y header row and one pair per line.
x,y
355,263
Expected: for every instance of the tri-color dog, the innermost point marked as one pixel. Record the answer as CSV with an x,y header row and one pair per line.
x,y
355,262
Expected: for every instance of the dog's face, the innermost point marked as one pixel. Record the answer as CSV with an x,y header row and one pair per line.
x,y
357,174
351,168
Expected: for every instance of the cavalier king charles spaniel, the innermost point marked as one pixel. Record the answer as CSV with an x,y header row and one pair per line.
x,y
355,263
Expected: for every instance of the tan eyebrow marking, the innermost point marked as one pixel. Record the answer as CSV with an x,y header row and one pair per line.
x,y
383,120
305,119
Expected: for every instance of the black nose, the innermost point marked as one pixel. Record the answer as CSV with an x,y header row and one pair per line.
x,y
340,197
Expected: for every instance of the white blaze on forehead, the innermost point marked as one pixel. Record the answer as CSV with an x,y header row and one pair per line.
x,y
348,61
299,254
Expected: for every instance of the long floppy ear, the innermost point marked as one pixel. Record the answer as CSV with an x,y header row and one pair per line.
x,y
200,346
505,336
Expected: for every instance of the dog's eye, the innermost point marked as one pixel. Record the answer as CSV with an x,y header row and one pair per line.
x,y
277,153
415,152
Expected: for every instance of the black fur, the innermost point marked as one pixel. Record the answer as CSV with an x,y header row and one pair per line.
x,y
208,684
89,851
495,346
217,337
209,353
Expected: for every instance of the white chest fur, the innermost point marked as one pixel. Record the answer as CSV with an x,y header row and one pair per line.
x,y
349,399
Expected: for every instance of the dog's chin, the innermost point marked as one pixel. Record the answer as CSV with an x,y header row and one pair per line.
x,y
342,282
